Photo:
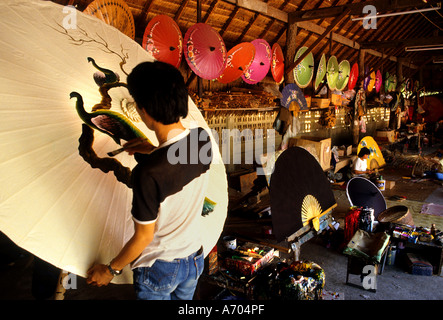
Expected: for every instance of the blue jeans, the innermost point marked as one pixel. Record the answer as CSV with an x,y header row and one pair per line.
x,y
169,280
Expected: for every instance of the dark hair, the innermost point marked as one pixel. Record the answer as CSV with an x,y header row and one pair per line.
x,y
159,88
364,151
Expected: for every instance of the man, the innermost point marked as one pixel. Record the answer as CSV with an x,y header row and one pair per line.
x,y
169,186
360,164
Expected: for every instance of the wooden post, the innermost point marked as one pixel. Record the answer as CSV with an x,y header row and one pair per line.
x,y
291,47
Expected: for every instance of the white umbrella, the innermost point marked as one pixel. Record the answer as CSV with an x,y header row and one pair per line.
x,y
52,202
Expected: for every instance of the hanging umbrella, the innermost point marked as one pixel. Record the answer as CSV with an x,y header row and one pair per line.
x,y
292,93
299,191
321,72
259,67
239,59
115,13
378,81
59,203
387,81
353,77
393,83
332,72
372,78
163,40
344,69
304,71
367,79
361,192
205,51
278,63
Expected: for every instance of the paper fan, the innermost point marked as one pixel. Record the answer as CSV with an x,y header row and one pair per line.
x,y
311,211
304,71
297,184
259,67
115,13
332,72
163,40
66,201
278,63
344,69
321,72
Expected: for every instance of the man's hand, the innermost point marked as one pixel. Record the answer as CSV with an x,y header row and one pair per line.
x,y
138,146
99,275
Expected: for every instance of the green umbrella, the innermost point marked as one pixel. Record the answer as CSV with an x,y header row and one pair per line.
x,y
304,71
321,72
393,84
332,72
344,70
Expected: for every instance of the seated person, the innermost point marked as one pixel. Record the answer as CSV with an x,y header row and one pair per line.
x,y
360,167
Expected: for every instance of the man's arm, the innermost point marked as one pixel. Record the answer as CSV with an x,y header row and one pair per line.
x,y
100,275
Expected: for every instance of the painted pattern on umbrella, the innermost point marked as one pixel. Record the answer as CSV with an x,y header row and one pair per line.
x,y
304,71
321,72
238,61
353,77
205,51
278,63
259,67
163,40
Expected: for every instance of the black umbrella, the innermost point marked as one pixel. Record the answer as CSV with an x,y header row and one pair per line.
x,y
300,192
362,192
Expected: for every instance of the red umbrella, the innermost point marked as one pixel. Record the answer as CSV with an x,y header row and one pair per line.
x,y
239,59
259,67
278,63
205,51
163,40
353,77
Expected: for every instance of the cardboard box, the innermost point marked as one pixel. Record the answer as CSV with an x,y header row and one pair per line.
x,y
345,151
388,135
389,184
336,99
319,148
320,103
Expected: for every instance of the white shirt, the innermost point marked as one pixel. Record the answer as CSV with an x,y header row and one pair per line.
x,y
360,165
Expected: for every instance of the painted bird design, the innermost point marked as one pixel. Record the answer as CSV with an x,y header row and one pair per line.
x,y
103,75
112,123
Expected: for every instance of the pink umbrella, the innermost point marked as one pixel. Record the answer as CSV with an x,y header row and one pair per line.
x,y
239,59
163,40
378,81
260,65
278,63
205,51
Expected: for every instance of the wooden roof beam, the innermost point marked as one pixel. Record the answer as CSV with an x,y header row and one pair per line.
x,y
357,9
403,43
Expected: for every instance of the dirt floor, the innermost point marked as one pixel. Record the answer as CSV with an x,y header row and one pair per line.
x,y
17,267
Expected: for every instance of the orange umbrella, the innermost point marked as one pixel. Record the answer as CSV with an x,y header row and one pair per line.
x,y
239,59
115,13
163,40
